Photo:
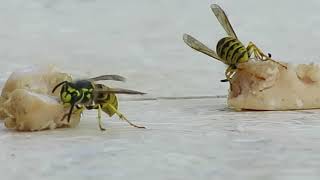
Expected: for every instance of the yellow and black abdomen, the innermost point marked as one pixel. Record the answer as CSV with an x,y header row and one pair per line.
x,y
111,99
106,99
232,51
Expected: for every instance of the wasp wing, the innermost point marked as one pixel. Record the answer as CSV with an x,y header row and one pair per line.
x,y
116,91
223,19
108,77
198,46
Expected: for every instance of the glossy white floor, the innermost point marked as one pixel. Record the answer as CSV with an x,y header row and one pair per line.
x,y
185,138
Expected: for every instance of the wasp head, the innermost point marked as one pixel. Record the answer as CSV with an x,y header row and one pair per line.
x,y
69,93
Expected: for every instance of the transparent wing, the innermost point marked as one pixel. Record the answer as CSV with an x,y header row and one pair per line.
x,y
223,19
116,91
197,45
108,77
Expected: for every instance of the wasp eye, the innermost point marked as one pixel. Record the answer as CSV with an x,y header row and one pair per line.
x,y
66,97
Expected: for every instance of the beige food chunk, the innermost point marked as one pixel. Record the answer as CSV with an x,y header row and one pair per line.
x,y
27,104
264,85
33,111
40,79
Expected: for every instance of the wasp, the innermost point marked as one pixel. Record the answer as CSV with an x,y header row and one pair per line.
x,y
87,94
229,50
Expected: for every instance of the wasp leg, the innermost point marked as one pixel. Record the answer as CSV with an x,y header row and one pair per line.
x,y
99,119
229,73
253,49
121,116
79,108
64,116
70,112
226,74
98,107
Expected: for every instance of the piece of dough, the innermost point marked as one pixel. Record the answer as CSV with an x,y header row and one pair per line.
x,y
27,104
39,79
29,111
264,85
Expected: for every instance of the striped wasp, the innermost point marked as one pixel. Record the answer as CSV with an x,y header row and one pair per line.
x,y
229,50
86,94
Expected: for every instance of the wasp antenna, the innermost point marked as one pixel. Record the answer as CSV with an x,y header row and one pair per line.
x,y
54,89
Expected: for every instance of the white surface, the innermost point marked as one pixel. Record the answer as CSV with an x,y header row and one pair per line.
x,y
142,40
